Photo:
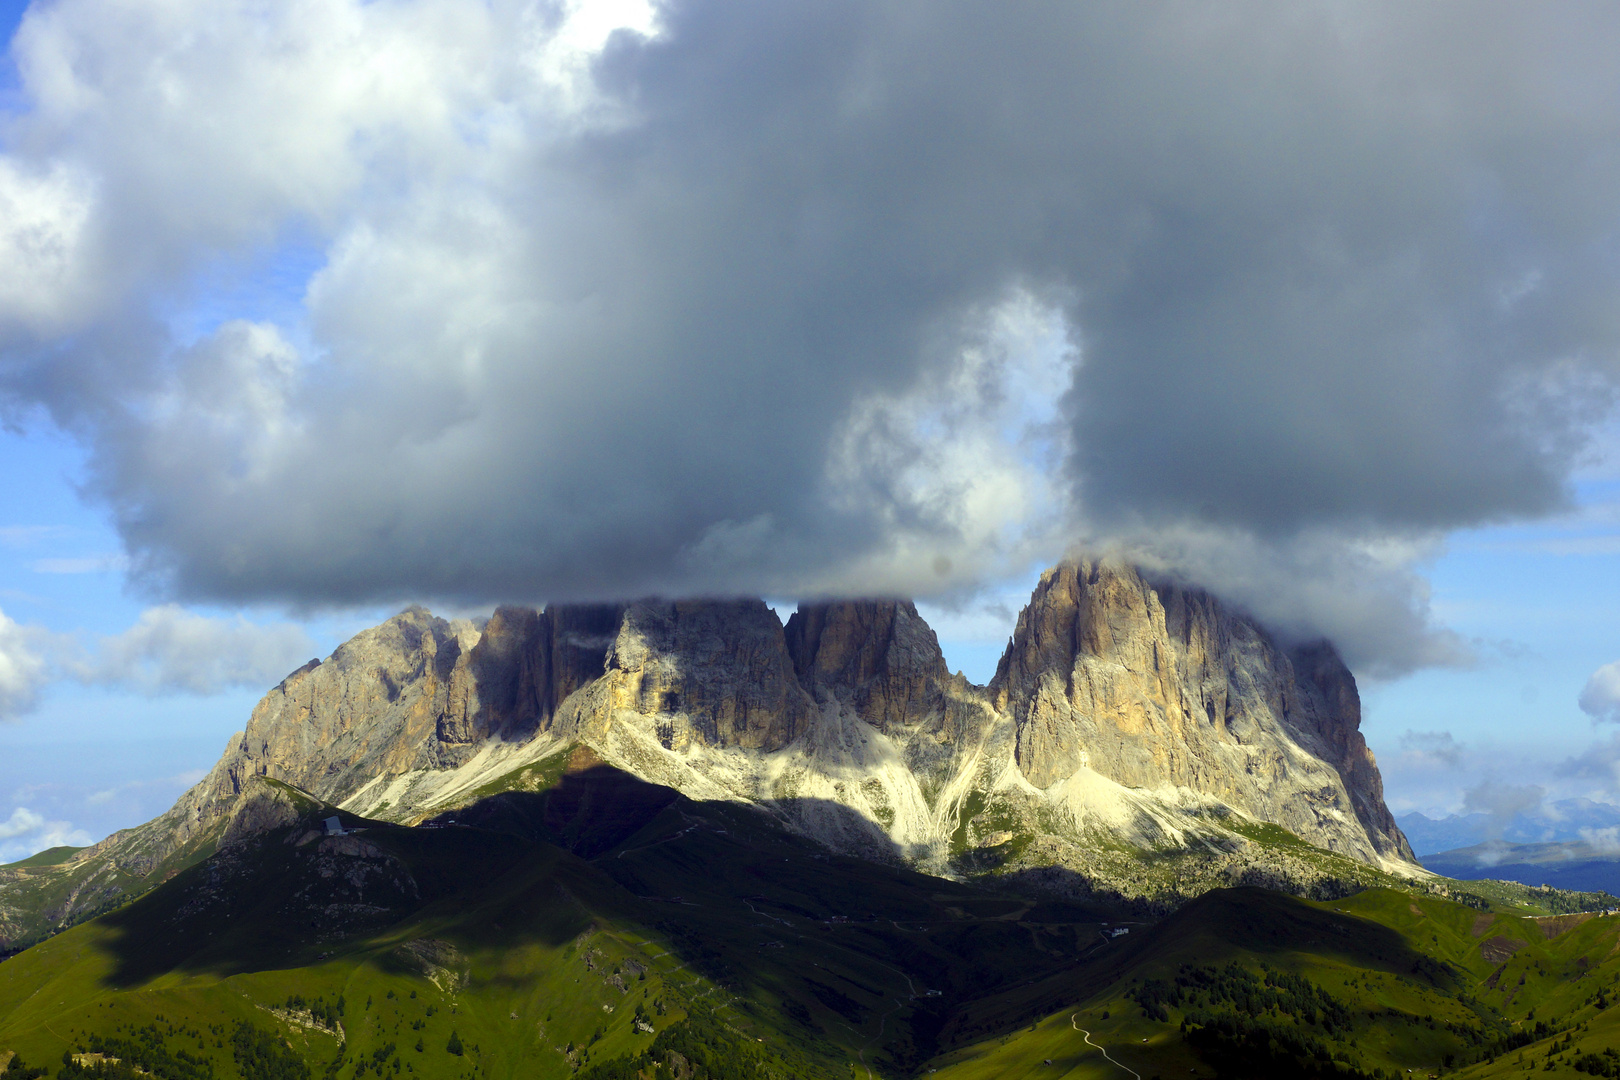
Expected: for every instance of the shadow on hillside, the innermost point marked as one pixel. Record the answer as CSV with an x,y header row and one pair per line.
x,y
1260,922
843,948
838,943
1060,882
594,808
589,810
658,859
271,903
293,897
769,915
500,871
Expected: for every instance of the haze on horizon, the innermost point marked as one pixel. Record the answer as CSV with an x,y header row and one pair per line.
x,y
328,307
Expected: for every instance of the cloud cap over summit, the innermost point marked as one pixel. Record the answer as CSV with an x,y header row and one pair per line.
x,y
844,298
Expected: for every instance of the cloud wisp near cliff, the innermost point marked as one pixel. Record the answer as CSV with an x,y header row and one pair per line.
x,y
360,302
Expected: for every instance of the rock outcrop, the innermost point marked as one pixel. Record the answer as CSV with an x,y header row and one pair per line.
x,y
264,807
701,672
877,656
1157,684
1126,715
528,662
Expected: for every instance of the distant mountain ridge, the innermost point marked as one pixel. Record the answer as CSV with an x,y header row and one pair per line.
x,y
1576,866
1128,716
1564,821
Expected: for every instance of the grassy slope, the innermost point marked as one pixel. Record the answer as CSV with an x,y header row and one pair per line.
x,y
48,857
1365,951
519,917
834,963
43,896
759,931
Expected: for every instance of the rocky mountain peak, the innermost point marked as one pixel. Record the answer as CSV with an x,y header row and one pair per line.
x,y
1149,683
528,662
714,672
877,656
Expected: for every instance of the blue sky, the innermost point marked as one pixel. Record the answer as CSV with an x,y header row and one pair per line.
x,y
315,313
1540,599
94,759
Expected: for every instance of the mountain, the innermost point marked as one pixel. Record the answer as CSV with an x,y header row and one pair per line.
x,y
1564,821
1141,743
1430,835
1561,865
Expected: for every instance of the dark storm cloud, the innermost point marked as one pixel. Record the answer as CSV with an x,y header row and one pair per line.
x,y
713,316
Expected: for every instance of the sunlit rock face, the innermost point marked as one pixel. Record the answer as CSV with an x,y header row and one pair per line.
x,y
1128,717
414,696
706,673
1124,710
408,694
877,660
1157,684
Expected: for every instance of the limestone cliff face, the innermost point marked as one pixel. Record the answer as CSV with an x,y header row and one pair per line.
x,y
1345,747
1156,684
420,693
879,656
712,673
881,662
261,808
401,696
528,662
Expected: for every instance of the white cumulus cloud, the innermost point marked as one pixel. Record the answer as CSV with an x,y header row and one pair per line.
x,y
27,832
1433,747
1600,697
1502,802
172,650
23,668
21,822
169,650
44,215
1605,842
